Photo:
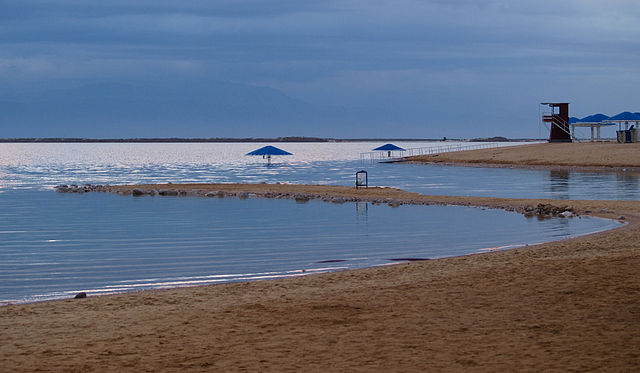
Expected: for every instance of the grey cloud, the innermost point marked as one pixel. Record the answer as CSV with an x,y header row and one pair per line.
x,y
411,58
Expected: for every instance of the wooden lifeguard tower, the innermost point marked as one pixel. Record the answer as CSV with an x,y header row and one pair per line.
x,y
558,119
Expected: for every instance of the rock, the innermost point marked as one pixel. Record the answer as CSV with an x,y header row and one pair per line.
x,y
81,295
301,198
165,192
243,195
394,203
567,214
62,188
137,192
622,217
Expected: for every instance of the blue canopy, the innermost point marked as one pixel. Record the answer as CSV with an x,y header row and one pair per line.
x,y
269,150
388,147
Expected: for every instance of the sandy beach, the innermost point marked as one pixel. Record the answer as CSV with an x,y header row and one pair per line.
x,y
569,305
585,155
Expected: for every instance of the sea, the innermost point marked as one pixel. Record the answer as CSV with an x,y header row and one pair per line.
x,y
55,245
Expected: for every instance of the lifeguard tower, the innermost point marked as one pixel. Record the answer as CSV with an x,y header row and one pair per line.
x,y
558,119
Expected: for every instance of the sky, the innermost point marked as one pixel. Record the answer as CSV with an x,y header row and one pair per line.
x,y
343,69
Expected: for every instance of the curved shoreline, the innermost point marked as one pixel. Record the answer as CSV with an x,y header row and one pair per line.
x,y
302,193
586,156
567,305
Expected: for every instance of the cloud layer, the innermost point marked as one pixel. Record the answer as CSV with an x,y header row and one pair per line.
x,y
403,68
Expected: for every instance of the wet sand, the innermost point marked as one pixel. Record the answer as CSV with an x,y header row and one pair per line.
x,y
585,155
571,305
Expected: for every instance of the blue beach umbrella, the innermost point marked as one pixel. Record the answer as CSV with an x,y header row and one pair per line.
x,y
389,148
268,151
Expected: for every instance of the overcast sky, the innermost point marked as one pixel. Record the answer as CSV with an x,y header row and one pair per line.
x,y
457,68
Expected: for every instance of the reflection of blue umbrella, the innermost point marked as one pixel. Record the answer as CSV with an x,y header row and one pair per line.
x,y
389,148
268,151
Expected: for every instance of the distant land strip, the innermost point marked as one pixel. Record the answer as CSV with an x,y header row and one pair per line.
x,y
229,139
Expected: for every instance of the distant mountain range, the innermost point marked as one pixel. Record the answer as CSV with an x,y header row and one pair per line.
x,y
595,118
190,108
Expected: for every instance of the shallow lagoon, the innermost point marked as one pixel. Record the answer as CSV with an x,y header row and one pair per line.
x,y
61,244
54,245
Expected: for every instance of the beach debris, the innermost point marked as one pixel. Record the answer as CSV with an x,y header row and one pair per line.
x,y
73,188
549,210
80,295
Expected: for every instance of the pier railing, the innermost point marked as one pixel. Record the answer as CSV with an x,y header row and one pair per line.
x,y
384,156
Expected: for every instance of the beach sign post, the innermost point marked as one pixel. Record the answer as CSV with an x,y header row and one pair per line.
x,y
267,151
362,179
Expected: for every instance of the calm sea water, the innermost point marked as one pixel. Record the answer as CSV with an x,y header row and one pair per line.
x,y
42,166
55,245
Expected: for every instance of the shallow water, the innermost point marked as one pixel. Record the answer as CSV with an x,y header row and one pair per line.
x,y
42,166
55,245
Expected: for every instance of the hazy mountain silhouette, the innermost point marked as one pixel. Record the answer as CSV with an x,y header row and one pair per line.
x,y
176,108
626,115
595,118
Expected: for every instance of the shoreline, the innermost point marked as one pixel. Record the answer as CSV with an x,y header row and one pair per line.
x,y
562,305
338,194
586,156
605,169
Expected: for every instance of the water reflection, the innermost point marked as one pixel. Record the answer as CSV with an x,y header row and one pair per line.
x,y
627,184
362,211
559,184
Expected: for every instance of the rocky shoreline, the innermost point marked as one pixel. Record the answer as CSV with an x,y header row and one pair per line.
x,y
540,210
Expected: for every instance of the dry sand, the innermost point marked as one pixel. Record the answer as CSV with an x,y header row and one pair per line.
x,y
591,155
570,305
